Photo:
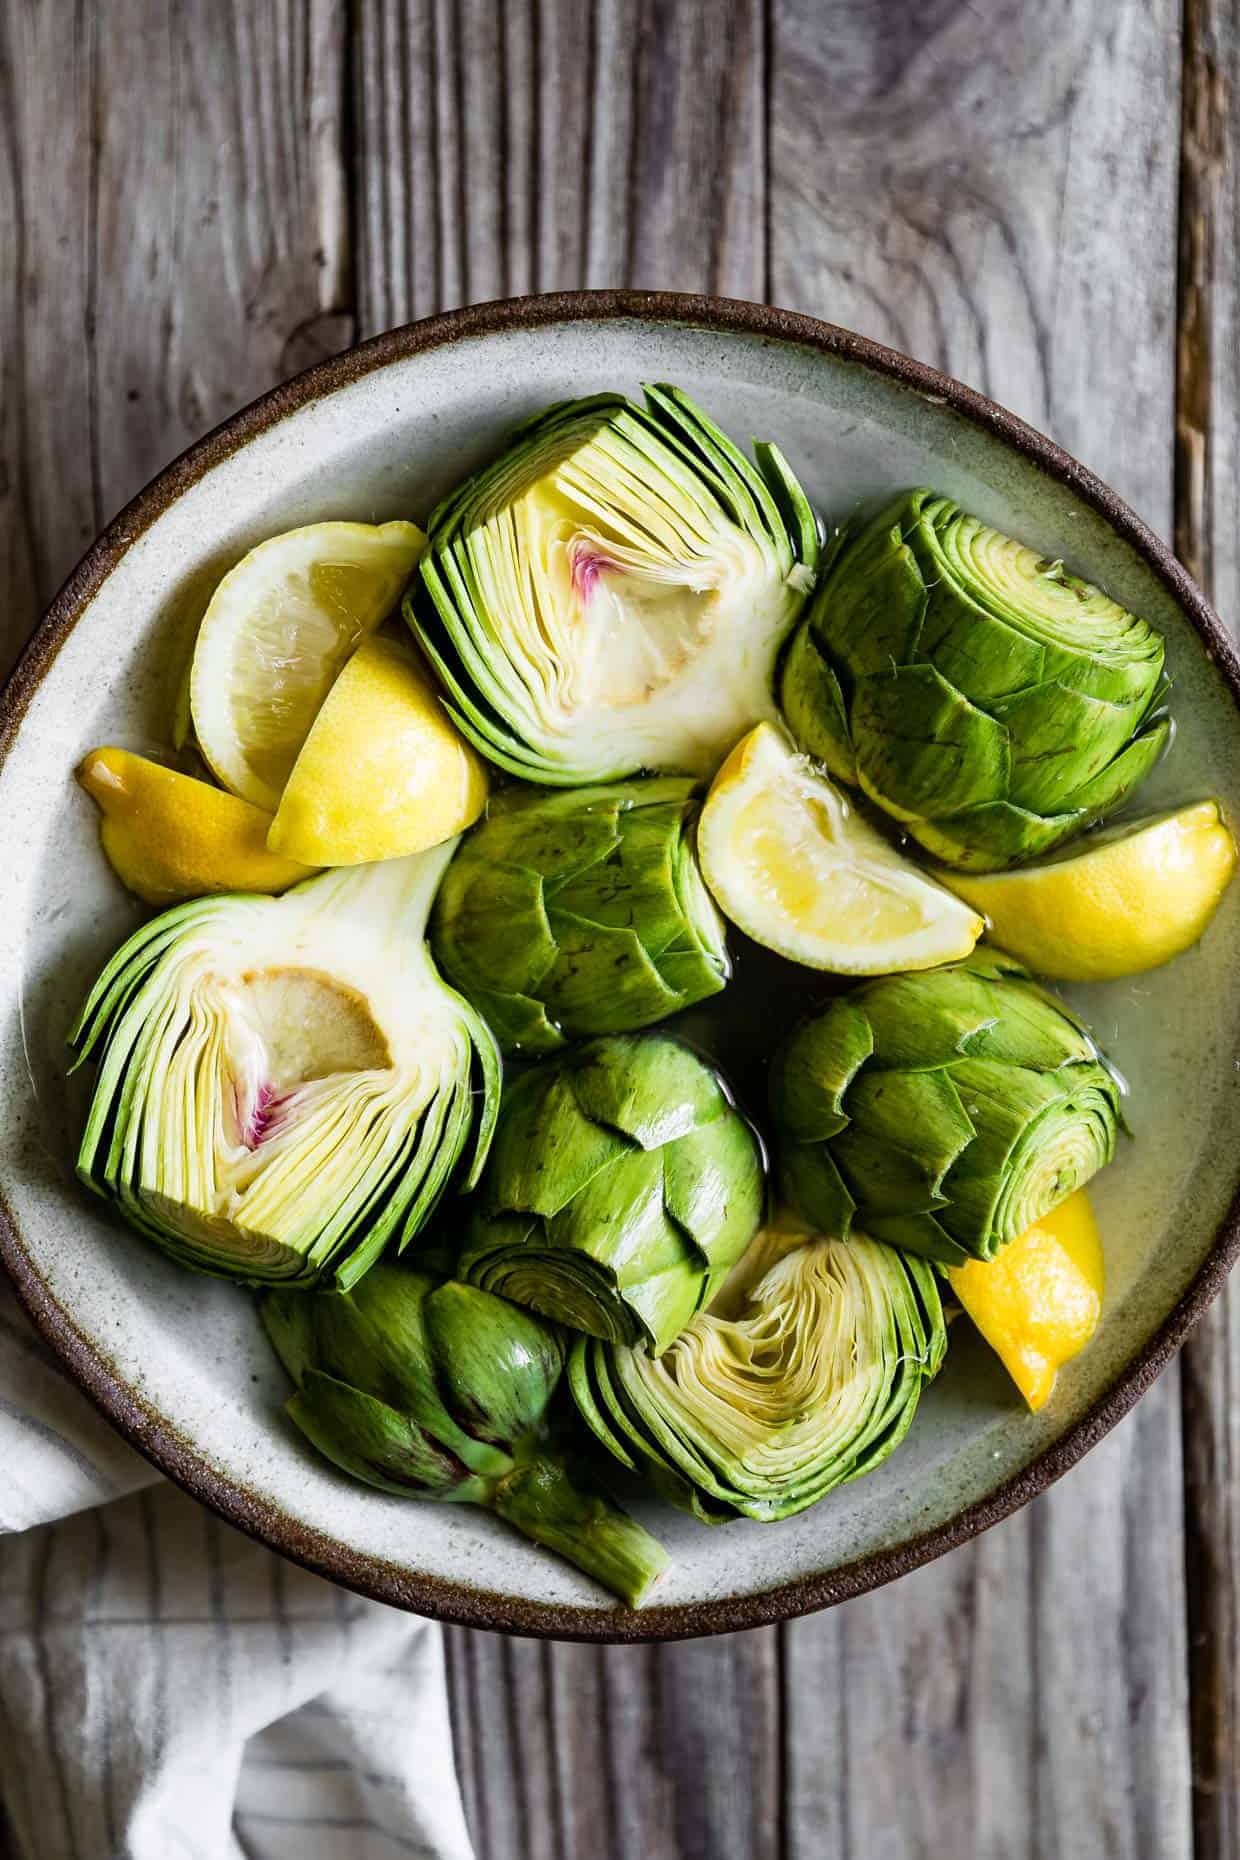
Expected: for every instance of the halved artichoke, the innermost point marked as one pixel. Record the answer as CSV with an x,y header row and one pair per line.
x,y
437,1390
945,1112
990,701
285,1084
610,594
623,1185
580,913
805,1373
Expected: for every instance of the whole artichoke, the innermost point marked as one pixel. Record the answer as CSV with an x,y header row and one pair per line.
x,y
437,1390
805,1373
944,1112
622,1187
567,914
990,701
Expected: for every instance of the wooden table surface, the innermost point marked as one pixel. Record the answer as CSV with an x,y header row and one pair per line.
x,y
198,199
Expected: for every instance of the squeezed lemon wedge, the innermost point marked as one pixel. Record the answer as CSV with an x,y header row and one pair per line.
x,y
1037,1303
1127,900
169,836
383,771
799,870
278,629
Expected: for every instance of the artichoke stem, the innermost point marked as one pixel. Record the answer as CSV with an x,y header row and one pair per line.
x,y
540,1499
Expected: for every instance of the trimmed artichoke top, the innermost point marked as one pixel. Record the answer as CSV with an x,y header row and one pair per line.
x,y
943,1112
580,913
437,1390
610,594
285,1085
989,700
805,1373
622,1187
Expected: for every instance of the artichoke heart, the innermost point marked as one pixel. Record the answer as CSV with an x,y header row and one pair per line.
x,y
611,593
564,915
945,1112
805,1373
432,1389
285,1084
986,698
622,1187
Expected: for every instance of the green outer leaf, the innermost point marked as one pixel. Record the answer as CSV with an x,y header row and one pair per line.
x,y
438,1390
944,1111
995,708
622,1187
570,914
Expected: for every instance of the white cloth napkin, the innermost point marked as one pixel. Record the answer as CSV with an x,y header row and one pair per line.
x,y
170,1690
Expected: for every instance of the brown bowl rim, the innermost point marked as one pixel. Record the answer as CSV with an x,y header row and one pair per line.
x,y
165,1446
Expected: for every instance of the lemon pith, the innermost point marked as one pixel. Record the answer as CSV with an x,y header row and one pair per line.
x,y
383,772
1127,902
169,836
795,867
1038,1302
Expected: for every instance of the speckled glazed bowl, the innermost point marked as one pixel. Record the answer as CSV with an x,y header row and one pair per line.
x,y
178,1362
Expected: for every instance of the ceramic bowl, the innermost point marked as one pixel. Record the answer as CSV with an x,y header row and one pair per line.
x,y
178,1362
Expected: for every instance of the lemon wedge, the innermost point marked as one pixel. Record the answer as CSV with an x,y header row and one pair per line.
x,y
1127,900
278,629
1038,1302
797,869
383,772
168,836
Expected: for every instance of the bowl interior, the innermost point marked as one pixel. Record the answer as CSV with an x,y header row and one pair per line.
x,y
388,444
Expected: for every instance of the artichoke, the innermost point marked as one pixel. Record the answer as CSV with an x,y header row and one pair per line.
x,y
805,1373
945,1111
285,1084
622,1187
610,595
580,913
437,1390
989,700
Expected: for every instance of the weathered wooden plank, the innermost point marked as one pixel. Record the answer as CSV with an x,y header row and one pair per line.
x,y
667,1753
551,144
176,187
1207,459
957,184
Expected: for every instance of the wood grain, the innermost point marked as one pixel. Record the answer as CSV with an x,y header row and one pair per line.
x,y
1011,217
1207,455
554,144
172,189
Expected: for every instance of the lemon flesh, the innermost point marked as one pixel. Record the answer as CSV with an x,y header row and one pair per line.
x,y
384,771
278,629
169,837
795,868
1132,899
1037,1303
